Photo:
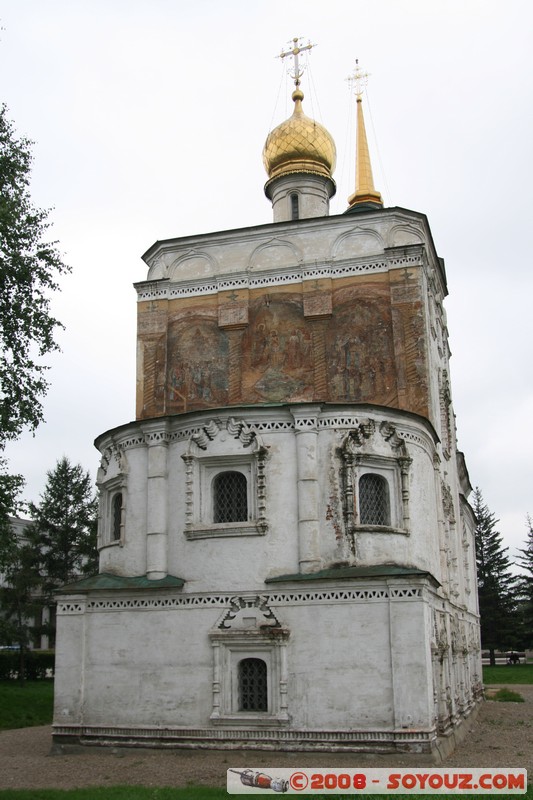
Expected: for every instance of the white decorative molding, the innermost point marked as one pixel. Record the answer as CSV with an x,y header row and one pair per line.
x,y
276,598
69,607
166,289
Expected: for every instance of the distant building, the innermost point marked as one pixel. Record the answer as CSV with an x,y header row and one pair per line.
x,y
286,547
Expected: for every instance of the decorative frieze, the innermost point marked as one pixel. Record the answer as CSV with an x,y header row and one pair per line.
x,y
275,599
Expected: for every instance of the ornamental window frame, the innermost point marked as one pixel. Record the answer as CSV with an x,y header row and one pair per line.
x,y
360,456
109,492
210,454
230,648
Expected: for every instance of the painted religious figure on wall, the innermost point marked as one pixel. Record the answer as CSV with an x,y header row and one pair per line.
x,y
277,352
197,373
360,353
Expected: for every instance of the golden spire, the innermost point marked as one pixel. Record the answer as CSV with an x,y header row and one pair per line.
x,y
365,195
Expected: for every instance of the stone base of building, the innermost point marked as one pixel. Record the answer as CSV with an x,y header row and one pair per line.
x,y
428,744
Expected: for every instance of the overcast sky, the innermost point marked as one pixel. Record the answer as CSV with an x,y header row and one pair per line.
x,y
149,119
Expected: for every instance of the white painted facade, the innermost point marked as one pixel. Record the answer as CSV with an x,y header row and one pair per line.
x,y
369,633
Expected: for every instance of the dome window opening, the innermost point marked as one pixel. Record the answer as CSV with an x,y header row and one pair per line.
x,y
295,206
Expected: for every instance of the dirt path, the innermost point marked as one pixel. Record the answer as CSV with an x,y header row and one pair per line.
x,y
501,736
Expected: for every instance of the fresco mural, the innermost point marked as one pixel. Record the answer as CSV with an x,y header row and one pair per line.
x,y
277,352
197,369
368,349
360,351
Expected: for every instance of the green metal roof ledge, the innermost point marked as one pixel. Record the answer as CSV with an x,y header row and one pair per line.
x,y
345,573
108,581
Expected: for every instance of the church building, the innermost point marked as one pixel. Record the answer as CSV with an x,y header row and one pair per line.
x,y
286,547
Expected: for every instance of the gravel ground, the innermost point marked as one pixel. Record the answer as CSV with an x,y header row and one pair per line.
x,y
501,736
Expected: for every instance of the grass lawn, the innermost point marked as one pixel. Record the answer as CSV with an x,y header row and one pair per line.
x,y
27,705
118,793
507,673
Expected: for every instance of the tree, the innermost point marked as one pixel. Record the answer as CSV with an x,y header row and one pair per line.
x,y
10,487
496,583
29,266
64,530
19,601
525,586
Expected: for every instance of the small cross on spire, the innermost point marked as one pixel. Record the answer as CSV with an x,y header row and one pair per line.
x,y
296,49
358,80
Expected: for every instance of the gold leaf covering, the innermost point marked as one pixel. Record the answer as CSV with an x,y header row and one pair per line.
x,y
299,144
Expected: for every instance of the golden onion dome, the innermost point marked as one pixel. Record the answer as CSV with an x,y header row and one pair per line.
x,y
299,145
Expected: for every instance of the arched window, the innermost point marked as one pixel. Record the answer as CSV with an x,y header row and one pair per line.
x,y
374,506
295,206
116,517
253,692
230,497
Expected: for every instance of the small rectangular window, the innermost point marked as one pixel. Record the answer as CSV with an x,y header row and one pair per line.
x,y
116,522
253,694
295,206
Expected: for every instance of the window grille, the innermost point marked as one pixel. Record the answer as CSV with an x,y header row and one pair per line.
x,y
373,500
253,693
116,516
230,497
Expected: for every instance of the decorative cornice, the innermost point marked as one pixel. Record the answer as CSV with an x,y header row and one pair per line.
x,y
164,289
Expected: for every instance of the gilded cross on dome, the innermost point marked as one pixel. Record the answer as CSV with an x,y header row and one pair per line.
x,y
296,49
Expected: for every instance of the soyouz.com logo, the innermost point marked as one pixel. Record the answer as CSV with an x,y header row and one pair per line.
x,y
247,780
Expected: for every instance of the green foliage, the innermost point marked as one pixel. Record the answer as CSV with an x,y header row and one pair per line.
x,y
27,705
506,696
56,548
508,674
19,604
525,587
10,488
63,534
64,528
29,267
496,582
38,665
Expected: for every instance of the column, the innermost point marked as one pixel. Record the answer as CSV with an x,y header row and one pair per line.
x,y
306,424
156,503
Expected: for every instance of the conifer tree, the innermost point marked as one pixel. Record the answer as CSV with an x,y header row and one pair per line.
x,y
525,586
496,582
64,530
